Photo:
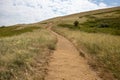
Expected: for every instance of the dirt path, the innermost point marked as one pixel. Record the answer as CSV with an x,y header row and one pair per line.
x,y
66,64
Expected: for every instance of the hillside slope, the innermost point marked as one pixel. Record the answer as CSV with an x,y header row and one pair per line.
x,y
96,37
24,52
25,49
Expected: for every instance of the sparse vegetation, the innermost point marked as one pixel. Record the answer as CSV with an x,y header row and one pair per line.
x,y
25,56
98,36
104,49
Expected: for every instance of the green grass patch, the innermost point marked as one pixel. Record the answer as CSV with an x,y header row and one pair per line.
x,y
117,12
107,25
12,30
101,30
44,23
106,12
70,26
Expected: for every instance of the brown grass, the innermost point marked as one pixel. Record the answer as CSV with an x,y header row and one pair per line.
x,y
25,57
103,49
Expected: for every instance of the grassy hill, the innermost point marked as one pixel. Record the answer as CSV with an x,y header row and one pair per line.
x,y
25,49
25,52
97,37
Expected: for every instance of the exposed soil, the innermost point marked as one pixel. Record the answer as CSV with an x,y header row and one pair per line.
x,y
67,64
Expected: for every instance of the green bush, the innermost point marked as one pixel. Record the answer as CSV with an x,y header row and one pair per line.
x,y
103,25
2,27
76,23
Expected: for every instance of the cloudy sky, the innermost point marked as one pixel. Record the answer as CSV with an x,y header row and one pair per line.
x,y
30,11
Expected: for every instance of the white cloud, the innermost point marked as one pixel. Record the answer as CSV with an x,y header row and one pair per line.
x,y
102,5
27,11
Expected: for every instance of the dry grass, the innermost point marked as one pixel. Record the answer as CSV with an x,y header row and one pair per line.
x,y
25,57
104,49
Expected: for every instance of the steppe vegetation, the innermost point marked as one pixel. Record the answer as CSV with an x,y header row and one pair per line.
x,y
25,49
98,36
24,53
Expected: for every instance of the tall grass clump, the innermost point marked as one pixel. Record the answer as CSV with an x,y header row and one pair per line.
x,y
25,57
104,49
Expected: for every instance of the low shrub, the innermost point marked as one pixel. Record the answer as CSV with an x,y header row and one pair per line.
x,y
76,23
103,25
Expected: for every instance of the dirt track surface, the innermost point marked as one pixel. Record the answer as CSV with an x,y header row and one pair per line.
x,y
67,64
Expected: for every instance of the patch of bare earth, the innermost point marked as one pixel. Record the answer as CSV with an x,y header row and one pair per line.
x,y
66,64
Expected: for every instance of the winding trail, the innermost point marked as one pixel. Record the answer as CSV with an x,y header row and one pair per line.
x,y
67,64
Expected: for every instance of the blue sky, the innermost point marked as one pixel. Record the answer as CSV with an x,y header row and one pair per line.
x,y
109,2
30,11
